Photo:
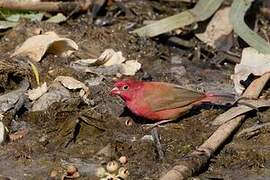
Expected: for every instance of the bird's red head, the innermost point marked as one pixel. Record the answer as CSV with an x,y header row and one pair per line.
x,y
126,89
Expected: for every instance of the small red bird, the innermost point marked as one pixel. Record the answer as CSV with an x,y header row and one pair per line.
x,y
159,101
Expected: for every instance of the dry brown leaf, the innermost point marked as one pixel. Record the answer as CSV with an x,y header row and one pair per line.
x,y
34,94
109,58
56,93
218,31
114,58
71,83
36,46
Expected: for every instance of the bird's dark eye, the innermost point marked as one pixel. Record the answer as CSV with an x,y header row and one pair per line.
x,y
125,87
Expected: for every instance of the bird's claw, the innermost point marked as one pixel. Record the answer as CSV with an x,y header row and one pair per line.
x,y
157,124
147,127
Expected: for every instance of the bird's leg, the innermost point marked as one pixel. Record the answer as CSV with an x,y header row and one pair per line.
x,y
154,133
150,126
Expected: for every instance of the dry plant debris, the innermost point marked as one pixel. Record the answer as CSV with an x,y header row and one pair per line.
x,y
34,94
252,62
110,58
218,33
35,47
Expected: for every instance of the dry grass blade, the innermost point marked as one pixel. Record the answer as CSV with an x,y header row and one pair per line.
x,y
241,109
203,10
238,11
35,71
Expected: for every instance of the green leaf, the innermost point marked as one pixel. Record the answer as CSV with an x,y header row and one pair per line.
x,y
7,24
57,18
202,11
31,17
238,11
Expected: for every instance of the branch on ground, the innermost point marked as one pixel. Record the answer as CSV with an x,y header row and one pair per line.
x,y
65,7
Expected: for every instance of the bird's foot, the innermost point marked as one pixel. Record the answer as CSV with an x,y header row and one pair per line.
x,y
241,100
155,135
151,126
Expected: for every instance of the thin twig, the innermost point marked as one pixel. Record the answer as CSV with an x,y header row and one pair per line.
x,y
66,7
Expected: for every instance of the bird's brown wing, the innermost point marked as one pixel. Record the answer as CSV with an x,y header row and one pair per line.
x,y
162,96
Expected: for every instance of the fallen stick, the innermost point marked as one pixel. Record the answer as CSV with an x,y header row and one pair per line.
x,y
65,7
192,163
243,107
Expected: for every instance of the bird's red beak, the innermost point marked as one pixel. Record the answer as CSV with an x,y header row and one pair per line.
x,y
115,91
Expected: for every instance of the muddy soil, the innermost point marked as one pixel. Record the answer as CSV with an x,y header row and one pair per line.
x,y
89,136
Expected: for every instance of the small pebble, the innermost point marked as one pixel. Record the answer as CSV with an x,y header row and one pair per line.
x,y
51,72
53,174
37,31
123,159
118,75
178,31
176,60
178,71
109,177
128,123
100,172
123,173
71,169
112,166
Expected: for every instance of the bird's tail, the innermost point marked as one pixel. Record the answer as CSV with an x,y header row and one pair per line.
x,y
216,98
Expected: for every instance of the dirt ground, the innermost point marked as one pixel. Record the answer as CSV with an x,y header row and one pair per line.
x,y
89,136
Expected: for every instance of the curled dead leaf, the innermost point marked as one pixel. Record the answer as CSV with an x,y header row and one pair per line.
x,y
71,83
110,60
36,46
218,31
